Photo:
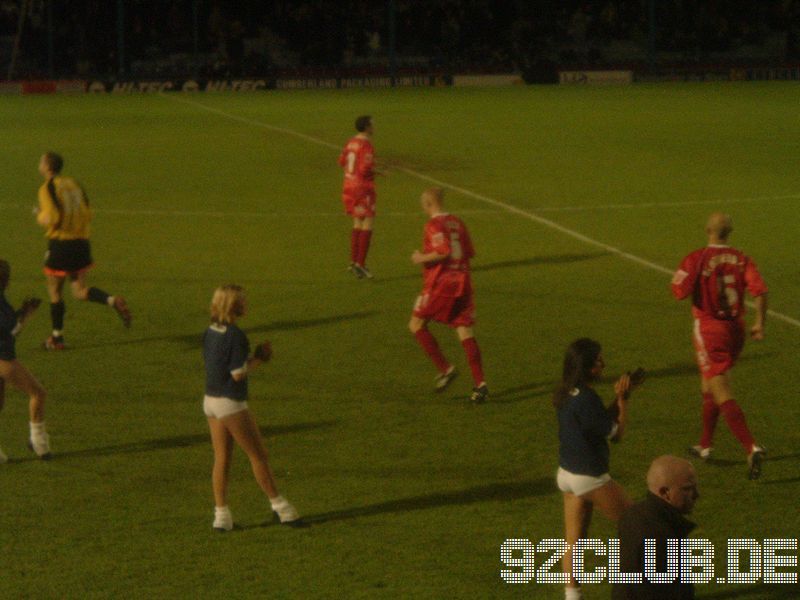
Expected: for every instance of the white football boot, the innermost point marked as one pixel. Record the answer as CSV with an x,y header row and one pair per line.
x,y
223,519
40,444
284,510
754,462
700,452
444,379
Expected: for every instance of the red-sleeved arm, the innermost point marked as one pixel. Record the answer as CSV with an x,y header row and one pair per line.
x,y
366,162
755,284
437,239
685,277
466,244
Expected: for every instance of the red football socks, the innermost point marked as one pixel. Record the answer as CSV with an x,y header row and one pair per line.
x,y
736,421
710,416
428,342
354,238
474,359
365,235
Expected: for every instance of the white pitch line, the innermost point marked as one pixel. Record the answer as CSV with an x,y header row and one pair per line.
x,y
260,124
665,204
158,212
531,216
473,211
538,219
219,213
467,211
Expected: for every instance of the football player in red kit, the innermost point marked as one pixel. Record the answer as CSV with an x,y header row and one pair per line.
x,y
447,292
717,277
358,193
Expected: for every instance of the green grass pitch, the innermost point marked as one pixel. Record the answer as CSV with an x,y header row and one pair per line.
x,y
411,494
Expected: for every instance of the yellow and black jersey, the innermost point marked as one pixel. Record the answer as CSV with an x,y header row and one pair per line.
x,y
64,209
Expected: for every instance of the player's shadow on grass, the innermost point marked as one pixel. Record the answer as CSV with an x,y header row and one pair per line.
x,y
536,389
180,441
541,388
723,462
778,458
678,370
492,492
728,462
195,340
548,259
286,325
784,481
529,391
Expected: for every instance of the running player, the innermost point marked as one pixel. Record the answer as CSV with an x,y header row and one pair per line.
x,y
227,358
717,277
65,214
14,373
447,291
358,193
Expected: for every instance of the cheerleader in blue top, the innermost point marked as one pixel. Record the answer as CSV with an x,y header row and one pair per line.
x,y
13,373
226,351
585,425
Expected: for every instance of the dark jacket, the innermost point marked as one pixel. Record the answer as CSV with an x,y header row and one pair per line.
x,y
652,518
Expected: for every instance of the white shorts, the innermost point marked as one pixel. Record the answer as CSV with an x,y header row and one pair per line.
x,y
219,408
580,484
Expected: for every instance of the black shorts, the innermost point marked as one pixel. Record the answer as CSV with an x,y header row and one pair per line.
x,y
67,257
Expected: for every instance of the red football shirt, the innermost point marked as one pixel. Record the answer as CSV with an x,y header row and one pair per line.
x,y
717,277
447,234
358,161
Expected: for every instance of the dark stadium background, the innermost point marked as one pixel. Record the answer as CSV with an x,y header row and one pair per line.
x,y
236,38
581,200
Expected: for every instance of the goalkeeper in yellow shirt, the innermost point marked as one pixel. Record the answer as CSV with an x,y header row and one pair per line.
x,y
65,214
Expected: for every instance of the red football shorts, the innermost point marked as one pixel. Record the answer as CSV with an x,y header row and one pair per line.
x,y
359,204
718,344
455,312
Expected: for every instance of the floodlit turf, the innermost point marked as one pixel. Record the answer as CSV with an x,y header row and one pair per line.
x,y
410,494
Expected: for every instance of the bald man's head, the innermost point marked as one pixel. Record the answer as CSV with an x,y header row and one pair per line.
x,y
719,226
673,480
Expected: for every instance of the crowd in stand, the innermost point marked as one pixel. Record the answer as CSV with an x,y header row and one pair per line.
x,y
257,37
